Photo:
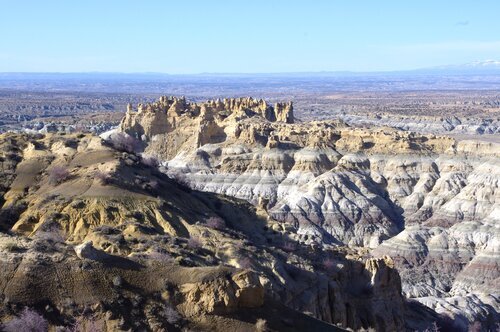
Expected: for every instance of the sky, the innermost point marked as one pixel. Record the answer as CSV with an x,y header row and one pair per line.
x,y
243,36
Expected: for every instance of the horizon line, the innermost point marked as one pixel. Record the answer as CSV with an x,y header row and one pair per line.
x,y
323,72
463,66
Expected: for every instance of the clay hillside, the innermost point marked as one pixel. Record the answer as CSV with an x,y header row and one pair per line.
x,y
233,215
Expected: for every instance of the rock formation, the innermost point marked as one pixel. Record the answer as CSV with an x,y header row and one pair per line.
x,y
359,187
173,124
118,244
215,215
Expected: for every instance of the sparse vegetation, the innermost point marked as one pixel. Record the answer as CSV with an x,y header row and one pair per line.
x,y
150,161
329,265
194,242
289,246
27,321
11,246
152,185
215,223
245,263
180,178
50,231
58,174
160,264
104,178
433,328
161,257
475,327
171,315
86,325
124,142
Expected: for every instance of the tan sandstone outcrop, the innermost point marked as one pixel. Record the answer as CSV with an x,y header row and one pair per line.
x,y
222,296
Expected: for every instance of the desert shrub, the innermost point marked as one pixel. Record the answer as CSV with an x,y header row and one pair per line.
x,y
238,246
289,246
28,321
50,231
103,177
11,246
215,223
194,242
152,185
433,328
161,257
179,177
124,142
261,325
171,315
329,265
84,324
245,263
447,323
150,161
475,327
58,174
93,326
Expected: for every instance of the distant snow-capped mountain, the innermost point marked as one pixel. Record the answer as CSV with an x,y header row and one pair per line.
x,y
483,64
476,67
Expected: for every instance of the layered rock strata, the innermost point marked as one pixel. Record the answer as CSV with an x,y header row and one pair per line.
x,y
340,185
119,242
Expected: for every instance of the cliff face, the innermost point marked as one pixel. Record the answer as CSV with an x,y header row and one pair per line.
x,y
173,125
432,199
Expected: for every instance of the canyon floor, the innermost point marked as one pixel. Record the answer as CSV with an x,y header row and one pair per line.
x,y
235,214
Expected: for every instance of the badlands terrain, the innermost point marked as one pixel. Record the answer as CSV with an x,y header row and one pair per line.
x,y
429,202
235,214
459,103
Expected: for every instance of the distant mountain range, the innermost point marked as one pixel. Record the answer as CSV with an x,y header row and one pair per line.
x,y
479,67
476,75
486,67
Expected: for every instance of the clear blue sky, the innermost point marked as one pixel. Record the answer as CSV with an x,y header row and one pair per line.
x,y
186,36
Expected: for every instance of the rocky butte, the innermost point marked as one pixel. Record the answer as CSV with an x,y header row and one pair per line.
x,y
232,215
